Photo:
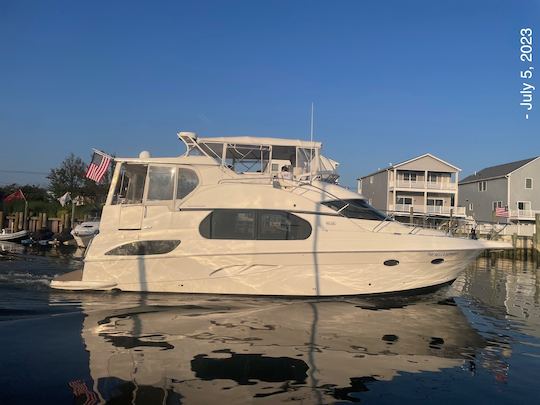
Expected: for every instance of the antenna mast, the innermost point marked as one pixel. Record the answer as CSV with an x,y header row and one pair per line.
x,y
311,147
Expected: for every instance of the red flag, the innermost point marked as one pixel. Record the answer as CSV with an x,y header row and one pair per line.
x,y
17,195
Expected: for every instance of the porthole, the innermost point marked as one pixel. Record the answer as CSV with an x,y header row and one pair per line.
x,y
437,261
391,262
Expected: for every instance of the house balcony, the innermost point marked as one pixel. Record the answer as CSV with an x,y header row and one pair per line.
x,y
523,215
427,209
423,185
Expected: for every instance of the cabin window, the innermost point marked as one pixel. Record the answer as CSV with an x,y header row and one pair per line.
x,y
247,158
280,225
529,183
145,247
254,225
187,182
130,184
229,224
161,183
356,208
304,158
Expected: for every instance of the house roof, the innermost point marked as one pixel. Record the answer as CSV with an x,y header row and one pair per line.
x,y
409,161
498,171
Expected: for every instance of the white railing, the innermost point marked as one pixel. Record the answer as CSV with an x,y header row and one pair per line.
x,y
432,185
428,209
421,184
523,214
403,208
410,183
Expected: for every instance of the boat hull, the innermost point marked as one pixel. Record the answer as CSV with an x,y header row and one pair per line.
x,y
288,274
13,237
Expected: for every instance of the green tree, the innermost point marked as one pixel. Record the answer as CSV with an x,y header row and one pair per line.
x,y
70,177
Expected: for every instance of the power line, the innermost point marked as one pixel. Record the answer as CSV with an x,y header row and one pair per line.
x,y
22,172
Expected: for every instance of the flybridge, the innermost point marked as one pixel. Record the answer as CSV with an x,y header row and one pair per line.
x,y
252,155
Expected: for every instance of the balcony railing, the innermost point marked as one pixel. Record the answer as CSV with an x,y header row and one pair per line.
x,y
427,209
523,214
421,184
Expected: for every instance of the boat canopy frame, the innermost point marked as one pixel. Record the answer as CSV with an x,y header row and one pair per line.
x,y
250,153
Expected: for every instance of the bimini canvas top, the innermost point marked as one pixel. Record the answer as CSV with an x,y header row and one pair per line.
x,y
250,140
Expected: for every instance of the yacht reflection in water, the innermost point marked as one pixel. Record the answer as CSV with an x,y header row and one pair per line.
x,y
200,350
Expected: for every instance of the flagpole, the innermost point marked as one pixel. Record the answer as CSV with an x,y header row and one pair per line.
x,y
72,213
25,217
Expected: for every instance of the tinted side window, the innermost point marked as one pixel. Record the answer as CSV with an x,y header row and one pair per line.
x,y
161,183
146,247
187,182
229,224
279,225
356,208
254,224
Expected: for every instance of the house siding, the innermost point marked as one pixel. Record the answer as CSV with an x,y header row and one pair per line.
x,y
518,192
497,190
377,191
426,163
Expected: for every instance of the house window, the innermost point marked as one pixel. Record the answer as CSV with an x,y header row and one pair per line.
x,y
404,200
529,183
524,205
482,186
497,204
409,176
371,180
471,207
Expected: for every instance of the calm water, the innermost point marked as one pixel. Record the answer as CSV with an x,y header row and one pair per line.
x,y
475,342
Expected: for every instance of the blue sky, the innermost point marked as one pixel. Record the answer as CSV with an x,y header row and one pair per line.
x,y
390,79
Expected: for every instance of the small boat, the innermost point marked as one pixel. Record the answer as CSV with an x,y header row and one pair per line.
x,y
39,238
85,232
8,236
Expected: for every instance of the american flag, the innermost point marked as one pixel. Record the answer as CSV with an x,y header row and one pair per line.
x,y
82,393
501,212
98,167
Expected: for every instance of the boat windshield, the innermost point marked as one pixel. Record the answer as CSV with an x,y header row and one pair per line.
x,y
356,208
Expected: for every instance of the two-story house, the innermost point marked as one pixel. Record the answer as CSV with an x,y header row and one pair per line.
x,y
424,185
503,193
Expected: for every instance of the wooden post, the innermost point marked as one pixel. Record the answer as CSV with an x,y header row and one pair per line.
x,y
411,215
451,221
514,245
44,221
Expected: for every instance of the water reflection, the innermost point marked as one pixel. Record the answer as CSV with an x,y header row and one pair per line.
x,y
198,350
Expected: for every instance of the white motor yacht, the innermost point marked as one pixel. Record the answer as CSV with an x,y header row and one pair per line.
x,y
256,216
